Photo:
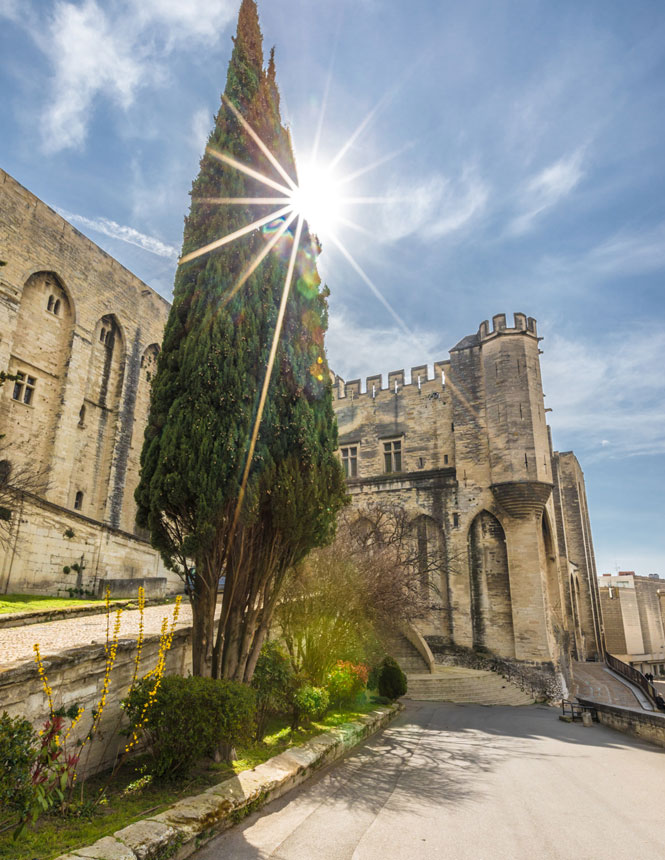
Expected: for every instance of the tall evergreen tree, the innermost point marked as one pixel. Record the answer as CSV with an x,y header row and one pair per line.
x,y
205,393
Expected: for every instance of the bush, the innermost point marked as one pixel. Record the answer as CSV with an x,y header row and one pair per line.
x,y
310,702
190,718
271,681
346,681
392,681
18,754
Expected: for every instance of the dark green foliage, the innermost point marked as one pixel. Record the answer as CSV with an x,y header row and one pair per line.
x,y
309,703
190,718
392,681
271,681
204,395
18,754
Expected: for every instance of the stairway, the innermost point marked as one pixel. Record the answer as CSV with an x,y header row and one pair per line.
x,y
473,686
406,654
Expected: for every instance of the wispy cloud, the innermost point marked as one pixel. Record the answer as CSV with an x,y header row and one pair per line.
x,y
434,206
125,234
546,189
110,51
608,398
357,351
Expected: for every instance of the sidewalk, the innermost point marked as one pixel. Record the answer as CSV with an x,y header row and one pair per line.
x,y
53,637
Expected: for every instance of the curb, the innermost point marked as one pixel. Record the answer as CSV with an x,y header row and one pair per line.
x,y
21,619
187,825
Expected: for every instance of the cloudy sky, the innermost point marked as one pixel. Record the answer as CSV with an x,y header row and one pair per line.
x,y
519,145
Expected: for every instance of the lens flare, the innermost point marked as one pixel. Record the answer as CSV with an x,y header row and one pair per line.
x,y
317,198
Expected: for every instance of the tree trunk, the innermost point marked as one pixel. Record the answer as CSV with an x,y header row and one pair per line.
x,y
203,601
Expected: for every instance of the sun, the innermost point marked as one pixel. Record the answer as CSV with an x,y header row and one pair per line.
x,y
317,198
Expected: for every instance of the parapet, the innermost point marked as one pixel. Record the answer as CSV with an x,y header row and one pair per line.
x,y
522,324
420,377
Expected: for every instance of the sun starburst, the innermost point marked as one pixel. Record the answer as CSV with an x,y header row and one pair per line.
x,y
317,199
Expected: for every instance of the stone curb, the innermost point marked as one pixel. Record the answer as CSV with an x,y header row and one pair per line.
x,y
22,619
183,828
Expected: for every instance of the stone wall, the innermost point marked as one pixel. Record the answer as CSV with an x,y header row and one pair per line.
x,y
476,466
640,724
84,333
77,677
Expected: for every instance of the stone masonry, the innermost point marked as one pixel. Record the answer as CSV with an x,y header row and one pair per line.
x,y
468,454
84,334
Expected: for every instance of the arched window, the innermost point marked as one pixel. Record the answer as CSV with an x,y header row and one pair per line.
x,y
102,335
51,300
82,416
78,501
56,307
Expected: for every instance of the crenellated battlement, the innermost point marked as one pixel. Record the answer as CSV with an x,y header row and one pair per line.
x,y
522,323
421,376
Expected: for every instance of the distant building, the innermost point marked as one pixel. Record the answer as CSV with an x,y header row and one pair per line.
x,y
633,610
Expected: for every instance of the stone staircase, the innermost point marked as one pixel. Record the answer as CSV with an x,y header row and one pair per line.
x,y
472,686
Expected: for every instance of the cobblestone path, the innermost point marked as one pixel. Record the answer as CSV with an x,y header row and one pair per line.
x,y
53,637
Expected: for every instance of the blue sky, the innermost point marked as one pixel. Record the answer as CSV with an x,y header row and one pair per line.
x,y
526,174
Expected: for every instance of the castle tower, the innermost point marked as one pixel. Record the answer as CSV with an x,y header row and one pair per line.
x,y
501,442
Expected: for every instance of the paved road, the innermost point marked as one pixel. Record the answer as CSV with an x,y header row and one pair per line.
x,y
466,782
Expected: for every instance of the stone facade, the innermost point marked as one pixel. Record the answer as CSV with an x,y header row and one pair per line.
x,y
84,334
634,618
468,454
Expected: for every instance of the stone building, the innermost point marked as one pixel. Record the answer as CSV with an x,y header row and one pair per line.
x,y
634,618
468,454
82,334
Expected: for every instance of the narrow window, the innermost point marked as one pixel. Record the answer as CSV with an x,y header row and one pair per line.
x,y
526,460
421,462
56,307
452,427
78,501
350,461
445,459
29,390
102,335
17,393
82,416
392,456
51,300
455,520
5,471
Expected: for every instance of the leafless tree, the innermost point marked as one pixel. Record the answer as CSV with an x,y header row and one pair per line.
x,y
17,480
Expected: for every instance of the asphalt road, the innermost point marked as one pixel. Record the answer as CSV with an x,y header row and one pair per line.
x,y
467,782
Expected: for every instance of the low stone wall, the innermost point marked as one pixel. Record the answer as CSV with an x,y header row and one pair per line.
x,y
77,677
647,726
185,827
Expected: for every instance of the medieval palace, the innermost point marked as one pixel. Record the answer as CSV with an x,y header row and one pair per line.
x,y
466,452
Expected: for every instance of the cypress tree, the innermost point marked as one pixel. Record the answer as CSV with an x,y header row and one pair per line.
x,y
205,392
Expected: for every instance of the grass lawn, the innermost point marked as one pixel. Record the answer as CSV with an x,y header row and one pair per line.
x,y
35,603
133,796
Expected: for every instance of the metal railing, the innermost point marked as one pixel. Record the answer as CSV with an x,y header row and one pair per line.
x,y
630,673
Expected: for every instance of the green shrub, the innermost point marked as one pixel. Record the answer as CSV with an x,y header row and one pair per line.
x,y
271,681
346,681
392,681
190,718
18,754
310,702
